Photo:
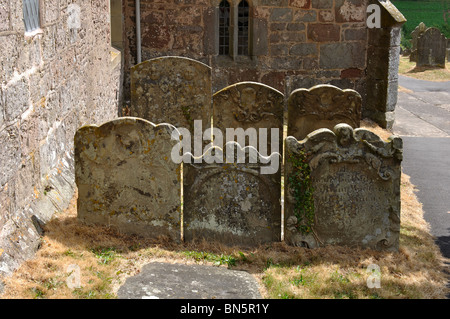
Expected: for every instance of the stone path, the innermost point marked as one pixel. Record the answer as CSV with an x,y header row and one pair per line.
x,y
178,281
423,121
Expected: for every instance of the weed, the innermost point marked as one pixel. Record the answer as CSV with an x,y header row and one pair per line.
x,y
105,255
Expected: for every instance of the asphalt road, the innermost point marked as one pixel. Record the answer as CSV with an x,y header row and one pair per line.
x,y
423,121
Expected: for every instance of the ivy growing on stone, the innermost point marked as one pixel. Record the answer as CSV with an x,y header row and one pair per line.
x,y
301,186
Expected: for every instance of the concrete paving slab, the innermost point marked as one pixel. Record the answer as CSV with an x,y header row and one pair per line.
x,y
179,281
409,124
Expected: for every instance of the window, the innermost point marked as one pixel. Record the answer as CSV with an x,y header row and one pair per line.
x,y
116,24
234,22
243,19
224,28
31,15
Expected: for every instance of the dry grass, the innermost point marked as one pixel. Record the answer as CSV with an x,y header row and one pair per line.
x,y
106,258
430,74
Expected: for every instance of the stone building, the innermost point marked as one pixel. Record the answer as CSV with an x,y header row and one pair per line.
x,y
57,73
287,44
65,64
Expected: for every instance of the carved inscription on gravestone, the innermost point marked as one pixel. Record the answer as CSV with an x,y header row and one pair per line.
x,y
232,202
126,178
322,106
173,90
355,182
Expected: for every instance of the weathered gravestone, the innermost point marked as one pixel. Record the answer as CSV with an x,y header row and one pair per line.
x,y
419,30
235,200
343,188
431,48
251,105
173,90
127,179
322,106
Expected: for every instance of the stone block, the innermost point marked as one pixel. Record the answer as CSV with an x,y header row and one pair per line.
x,y
326,16
304,49
260,37
11,155
319,32
304,16
301,4
350,10
295,27
281,15
4,15
342,55
355,34
350,186
322,4
273,3
17,98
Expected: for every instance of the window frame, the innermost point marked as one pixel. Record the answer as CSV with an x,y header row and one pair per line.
x,y
234,51
224,35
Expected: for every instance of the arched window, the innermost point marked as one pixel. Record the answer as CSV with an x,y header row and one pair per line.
x,y
243,23
224,28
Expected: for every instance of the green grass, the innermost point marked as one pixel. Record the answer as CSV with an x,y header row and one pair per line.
x,y
429,12
218,260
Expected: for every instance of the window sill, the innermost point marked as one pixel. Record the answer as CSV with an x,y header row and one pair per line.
x,y
240,60
116,57
32,34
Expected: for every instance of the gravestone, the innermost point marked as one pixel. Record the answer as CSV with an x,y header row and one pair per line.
x,y
343,188
179,281
233,201
173,90
431,49
250,105
126,178
322,106
419,30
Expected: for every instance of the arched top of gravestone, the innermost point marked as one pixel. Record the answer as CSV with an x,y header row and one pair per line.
x,y
435,32
322,106
171,59
172,89
248,103
137,135
344,144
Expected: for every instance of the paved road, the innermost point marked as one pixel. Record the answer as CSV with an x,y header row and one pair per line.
x,y
423,120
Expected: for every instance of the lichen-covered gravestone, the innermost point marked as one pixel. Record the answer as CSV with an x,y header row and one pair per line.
x,y
126,177
343,188
173,90
322,106
232,201
431,48
250,105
